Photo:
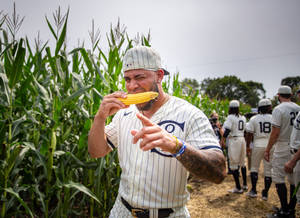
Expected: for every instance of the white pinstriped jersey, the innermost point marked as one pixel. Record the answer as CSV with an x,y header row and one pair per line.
x,y
236,125
260,125
150,180
283,117
295,135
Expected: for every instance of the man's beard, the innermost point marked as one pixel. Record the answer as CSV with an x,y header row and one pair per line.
x,y
149,104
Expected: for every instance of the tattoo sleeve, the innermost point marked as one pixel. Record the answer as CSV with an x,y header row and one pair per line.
x,y
205,164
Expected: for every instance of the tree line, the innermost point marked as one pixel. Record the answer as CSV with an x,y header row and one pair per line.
x,y
231,87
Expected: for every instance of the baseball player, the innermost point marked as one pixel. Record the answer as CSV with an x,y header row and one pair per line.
x,y
234,128
259,128
283,117
293,166
159,143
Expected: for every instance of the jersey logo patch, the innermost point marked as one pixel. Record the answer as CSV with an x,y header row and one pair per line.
x,y
127,113
170,125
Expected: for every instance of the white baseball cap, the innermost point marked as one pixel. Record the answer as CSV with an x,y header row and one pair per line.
x,y
285,90
234,103
264,102
142,57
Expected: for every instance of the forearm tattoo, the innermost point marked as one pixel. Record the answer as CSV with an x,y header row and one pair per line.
x,y
205,164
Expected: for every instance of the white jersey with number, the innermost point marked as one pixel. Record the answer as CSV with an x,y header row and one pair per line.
x,y
148,179
260,126
295,136
283,117
236,125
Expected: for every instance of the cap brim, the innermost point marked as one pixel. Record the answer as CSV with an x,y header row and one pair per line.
x,y
165,72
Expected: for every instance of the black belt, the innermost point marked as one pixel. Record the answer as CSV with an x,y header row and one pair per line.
x,y
144,213
293,150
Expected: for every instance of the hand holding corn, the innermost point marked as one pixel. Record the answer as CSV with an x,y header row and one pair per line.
x,y
138,98
118,100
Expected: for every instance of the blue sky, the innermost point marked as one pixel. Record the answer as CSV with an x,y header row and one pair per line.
x,y
255,40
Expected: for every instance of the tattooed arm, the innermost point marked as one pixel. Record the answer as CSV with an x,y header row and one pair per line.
x,y
206,164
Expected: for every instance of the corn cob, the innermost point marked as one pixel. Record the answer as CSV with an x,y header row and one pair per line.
x,y
138,98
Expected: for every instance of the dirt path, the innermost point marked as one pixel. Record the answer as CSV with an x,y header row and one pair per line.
x,y
209,200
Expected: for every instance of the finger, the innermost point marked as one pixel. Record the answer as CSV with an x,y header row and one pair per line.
x,y
118,94
150,141
145,130
133,132
152,144
145,120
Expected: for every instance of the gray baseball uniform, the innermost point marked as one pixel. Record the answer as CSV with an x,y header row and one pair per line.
x,y
295,145
283,117
260,126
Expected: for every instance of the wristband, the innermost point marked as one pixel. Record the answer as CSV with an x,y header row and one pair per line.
x,y
177,144
182,149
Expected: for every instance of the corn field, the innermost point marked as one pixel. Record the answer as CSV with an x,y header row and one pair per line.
x,y
48,97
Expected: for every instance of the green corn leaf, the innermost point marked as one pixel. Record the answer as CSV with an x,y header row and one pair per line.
x,y
17,67
16,149
41,196
75,50
67,133
42,90
6,48
28,47
12,192
98,71
76,94
51,61
16,124
78,78
62,36
87,60
5,89
83,141
3,128
103,55
60,71
39,154
75,60
51,29
77,161
81,188
98,93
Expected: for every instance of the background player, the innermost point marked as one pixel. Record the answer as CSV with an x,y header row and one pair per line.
x,y
259,128
283,117
234,128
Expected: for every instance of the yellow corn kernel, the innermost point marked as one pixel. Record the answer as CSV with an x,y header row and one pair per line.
x,y
138,98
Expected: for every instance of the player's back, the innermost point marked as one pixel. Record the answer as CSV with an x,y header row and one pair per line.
x,y
236,124
260,125
283,116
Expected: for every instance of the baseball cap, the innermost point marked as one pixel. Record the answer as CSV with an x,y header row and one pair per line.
x,y
234,103
285,90
142,57
264,102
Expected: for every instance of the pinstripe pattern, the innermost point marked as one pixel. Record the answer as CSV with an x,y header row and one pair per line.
x,y
148,179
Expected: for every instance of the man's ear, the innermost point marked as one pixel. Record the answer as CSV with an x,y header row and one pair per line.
x,y
160,75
